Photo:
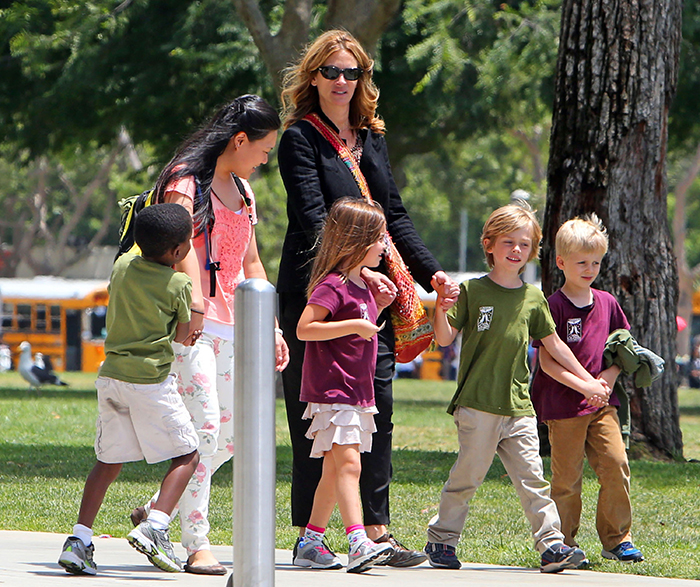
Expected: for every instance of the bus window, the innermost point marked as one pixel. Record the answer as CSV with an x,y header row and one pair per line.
x,y
24,317
41,318
8,311
55,318
97,317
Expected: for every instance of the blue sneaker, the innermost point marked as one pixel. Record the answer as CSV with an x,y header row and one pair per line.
x,y
625,552
442,556
559,557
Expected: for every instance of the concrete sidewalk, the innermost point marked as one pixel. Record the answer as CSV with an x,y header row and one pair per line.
x,y
29,560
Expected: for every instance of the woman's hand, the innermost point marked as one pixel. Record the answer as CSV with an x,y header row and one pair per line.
x,y
281,352
445,286
382,288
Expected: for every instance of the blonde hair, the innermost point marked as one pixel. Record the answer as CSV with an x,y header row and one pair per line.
x,y
299,97
351,228
583,233
507,219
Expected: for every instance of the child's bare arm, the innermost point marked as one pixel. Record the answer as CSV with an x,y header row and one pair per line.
x,y
591,390
610,375
182,330
313,326
444,332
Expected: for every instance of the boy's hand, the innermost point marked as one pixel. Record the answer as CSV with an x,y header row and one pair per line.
x,y
596,393
445,303
444,285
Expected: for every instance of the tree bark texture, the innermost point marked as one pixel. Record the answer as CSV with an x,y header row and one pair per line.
x,y
616,76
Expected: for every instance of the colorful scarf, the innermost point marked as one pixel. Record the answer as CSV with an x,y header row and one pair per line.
x,y
413,332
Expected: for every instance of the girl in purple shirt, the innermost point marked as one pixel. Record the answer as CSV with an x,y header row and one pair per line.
x,y
339,325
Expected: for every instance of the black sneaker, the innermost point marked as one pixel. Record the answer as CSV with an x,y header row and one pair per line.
x,y
402,557
442,556
559,557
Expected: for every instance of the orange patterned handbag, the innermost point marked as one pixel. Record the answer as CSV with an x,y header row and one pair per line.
x,y
413,332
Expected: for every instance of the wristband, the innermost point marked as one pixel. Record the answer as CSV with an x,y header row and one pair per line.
x,y
196,311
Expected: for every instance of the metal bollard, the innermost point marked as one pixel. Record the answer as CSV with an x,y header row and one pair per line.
x,y
254,436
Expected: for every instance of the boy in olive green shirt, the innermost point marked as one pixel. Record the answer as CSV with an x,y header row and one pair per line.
x,y
497,315
141,414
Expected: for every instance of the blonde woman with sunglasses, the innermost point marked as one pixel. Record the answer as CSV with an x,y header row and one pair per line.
x,y
331,87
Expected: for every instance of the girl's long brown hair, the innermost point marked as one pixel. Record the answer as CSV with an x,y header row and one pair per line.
x,y
351,228
299,97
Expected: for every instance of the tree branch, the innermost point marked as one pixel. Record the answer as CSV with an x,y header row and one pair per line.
x,y
84,201
365,19
279,50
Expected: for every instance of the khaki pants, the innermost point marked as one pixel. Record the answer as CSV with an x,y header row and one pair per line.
x,y
598,437
515,440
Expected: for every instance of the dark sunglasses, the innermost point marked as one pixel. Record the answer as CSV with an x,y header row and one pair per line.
x,y
331,72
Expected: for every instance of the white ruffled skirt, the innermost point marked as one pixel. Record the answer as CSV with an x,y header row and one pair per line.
x,y
339,424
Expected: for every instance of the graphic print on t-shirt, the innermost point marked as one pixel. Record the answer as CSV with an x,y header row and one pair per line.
x,y
573,330
364,311
485,317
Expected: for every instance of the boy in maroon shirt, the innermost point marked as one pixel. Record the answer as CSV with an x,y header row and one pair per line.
x,y
585,317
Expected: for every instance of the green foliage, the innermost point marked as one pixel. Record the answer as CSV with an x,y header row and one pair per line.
x,y
516,72
477,176
156,67
684,130
270,200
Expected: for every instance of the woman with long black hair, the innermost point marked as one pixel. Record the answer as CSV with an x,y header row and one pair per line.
x,y
208,176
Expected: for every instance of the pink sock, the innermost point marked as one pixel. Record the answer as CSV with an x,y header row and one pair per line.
x,y
353,528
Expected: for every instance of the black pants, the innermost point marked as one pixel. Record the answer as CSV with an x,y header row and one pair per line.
x,y
376,465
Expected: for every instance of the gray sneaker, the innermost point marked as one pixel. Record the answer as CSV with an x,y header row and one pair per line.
x,y
367,555
315,555
156,545
76,558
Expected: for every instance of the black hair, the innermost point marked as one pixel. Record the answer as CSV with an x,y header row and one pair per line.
x,y
160,228
198,154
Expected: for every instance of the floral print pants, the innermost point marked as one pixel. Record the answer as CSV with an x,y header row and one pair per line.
x,y
204,375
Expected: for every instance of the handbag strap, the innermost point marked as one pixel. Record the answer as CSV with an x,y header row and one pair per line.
x,y
211,266
342,149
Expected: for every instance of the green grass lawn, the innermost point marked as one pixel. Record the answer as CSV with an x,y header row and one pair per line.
x,y
46,453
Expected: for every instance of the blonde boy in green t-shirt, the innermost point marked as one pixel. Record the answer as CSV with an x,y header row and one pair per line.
x,y
140,412
497,315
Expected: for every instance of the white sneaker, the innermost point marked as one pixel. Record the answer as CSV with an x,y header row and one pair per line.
x,y
367,555
76,558
156,545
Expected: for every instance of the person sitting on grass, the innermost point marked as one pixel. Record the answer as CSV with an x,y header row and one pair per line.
x,y
497,314
585,317
140,413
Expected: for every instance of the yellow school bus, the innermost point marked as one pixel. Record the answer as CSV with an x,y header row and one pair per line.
x,y
61,318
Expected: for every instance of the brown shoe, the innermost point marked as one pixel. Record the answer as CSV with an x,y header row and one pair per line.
x,y
138,515
402,557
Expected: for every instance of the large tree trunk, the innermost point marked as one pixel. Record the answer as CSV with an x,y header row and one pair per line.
x,y
616,77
